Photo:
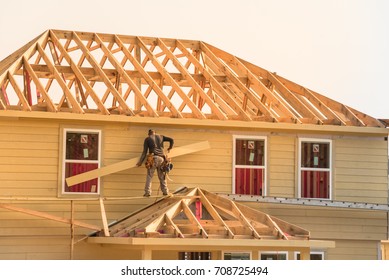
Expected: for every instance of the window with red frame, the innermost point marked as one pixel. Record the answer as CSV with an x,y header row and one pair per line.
x,y
82,154
315,169
249,168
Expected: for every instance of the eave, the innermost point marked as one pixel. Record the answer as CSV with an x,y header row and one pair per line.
x,y
233,125
219,244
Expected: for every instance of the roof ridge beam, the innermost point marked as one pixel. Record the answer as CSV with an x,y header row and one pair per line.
x,y
165,74
106,80
79,75
196,87
153,85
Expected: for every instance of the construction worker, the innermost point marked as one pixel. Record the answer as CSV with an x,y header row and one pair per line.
x,y
153,148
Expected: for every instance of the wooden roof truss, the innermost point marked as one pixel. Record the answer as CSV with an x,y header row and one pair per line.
x,y
81,72
196,213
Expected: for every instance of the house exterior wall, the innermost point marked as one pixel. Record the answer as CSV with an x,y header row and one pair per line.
x,y
31,166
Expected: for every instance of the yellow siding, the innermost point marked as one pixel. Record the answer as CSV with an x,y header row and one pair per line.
x,y
30,166
282,170
354,250
361,168
331,223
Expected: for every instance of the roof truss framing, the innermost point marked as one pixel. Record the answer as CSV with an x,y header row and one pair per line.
x,y
196,213
82,73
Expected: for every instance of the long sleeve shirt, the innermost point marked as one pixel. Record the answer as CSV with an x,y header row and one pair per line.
x,y
154,144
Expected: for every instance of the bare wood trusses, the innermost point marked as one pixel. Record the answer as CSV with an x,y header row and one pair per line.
x,y
82,73
197,213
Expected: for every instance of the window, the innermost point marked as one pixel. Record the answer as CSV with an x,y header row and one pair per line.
x,y
237,256
274,256
314,256
194,255
249,165
315,169
81,153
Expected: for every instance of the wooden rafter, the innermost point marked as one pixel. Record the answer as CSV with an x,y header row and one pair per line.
x,y
171,81
152,83
101,73
173,217
79,75
196,87
254,99
134,76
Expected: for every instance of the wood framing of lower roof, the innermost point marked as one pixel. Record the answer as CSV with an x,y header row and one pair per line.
x,y
195,219
196,123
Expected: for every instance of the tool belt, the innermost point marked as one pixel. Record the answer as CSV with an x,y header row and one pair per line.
x,y
149,161
167,164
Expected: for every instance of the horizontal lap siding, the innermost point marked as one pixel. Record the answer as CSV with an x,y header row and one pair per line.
x,y
28,158
345,226
361,170
281,158
209,169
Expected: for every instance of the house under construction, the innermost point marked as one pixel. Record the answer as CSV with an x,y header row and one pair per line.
x,y
264,168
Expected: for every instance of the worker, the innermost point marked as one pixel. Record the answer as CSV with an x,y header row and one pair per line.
x,y
153,149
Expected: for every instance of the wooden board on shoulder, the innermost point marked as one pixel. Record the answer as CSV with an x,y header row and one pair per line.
x,y
130,163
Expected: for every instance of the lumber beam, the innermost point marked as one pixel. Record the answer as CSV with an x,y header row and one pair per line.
x,y
153,85
245,91
126,77
79,74
230,103
98,69
130,163
195,110
196,87
75,105
48,216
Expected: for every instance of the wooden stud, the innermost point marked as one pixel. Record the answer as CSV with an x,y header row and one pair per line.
x,y
104,217
79,75
50,105
19,93
48,216
153,85
196,87
75,105
171,81
226,101
237,82
98,69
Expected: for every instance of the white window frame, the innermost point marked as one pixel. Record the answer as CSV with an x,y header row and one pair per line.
x,y
273,253
311,253
64,160
264,167
238,252
315,140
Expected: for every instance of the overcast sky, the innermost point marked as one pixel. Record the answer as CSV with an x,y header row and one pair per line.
x,y
337,48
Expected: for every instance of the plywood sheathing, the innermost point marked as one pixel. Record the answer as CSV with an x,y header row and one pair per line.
x,y
108,74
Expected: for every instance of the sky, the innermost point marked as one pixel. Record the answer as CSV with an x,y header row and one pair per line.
x,y
338,48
